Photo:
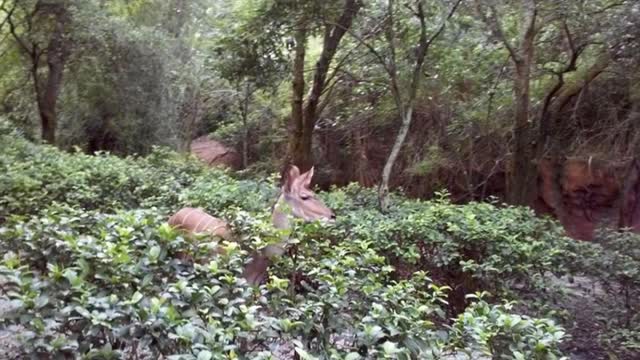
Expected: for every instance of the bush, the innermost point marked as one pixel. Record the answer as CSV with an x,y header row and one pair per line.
x,y
478,246
498,333
34,176
91,267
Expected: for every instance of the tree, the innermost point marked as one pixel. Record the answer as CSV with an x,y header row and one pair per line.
x,y
305,112
31,25
249,61
522,173
531,132
405,104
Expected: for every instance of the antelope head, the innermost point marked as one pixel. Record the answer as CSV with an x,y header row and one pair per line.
x,y
296,200
299,200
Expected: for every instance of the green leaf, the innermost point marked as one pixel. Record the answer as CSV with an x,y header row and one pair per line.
x,y
390,348
137,296
154,252
82,311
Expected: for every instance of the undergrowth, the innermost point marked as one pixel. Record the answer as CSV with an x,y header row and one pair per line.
x,y
91,269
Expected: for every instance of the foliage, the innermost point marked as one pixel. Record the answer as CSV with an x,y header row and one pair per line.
x,y
42,175
97,271
471,247
500,334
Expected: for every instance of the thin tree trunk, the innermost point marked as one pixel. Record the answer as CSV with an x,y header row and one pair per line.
x,y
405,109
383,190
188,117
245,125
297,98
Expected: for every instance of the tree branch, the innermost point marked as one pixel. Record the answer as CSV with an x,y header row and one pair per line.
x,y
444,23
333,35
4,21
529,24
495,27
391,65
13,30
608,7
372,50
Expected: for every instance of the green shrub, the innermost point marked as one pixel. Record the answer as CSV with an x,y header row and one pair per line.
x,y
496,332
479,246
92,268
36,176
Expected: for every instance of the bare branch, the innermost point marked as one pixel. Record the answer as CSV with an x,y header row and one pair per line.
x,y
14,33
444,23
4,21
391,65
567,33
529,29
608,7
495,27
422,52
339,64
381,60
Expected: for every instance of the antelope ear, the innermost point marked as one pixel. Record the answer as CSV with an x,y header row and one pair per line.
x,y
306,178
292,174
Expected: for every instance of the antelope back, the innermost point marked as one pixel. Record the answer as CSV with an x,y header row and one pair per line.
x,y
195,221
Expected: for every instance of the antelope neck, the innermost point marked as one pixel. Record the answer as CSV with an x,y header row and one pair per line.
x,y
280,215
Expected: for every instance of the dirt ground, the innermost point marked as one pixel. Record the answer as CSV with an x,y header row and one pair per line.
x,y
581,303
9,345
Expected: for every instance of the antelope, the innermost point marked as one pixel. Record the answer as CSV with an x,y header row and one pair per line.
x,y
296,200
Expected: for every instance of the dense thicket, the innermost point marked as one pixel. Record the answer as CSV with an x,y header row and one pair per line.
x,y
91,266
483,89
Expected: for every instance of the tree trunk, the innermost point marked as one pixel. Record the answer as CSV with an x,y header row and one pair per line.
x,y
383,190
244,110
57,53
297,99
360,160
188,113
630,198
303,154
522,181
405,108
304,115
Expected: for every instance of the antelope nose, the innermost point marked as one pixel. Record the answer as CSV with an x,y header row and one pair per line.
x,y
333,216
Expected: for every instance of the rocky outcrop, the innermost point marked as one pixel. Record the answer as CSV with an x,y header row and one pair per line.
x,y
214,153
585,194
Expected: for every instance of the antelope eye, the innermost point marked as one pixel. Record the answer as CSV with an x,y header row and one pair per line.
x,y
305,197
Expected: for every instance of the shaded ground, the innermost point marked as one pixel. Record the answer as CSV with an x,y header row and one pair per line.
x,y
9,345
582,303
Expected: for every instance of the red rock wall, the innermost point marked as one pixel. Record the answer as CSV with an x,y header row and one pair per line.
x,y
584,194
214,153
